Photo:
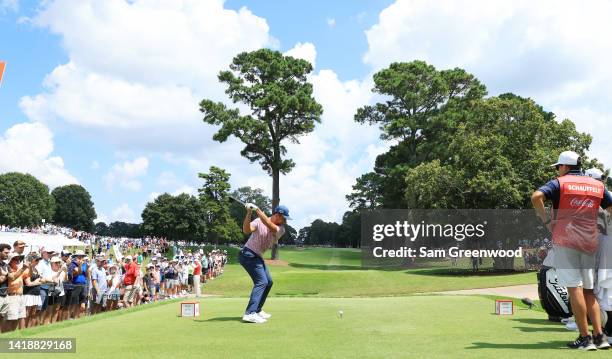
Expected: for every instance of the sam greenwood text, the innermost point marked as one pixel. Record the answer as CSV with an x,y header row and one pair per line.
x,y
452,252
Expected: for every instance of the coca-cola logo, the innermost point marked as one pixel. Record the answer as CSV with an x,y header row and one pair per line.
x,y
587,202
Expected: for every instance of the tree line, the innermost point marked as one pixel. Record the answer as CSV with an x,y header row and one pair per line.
x,y
26,202
211,216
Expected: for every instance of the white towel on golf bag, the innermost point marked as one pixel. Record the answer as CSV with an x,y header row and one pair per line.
x,y
603,286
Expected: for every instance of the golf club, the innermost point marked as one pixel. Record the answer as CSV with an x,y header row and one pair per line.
x,y
237,200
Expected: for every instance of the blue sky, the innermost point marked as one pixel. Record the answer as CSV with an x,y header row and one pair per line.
x,y
105,93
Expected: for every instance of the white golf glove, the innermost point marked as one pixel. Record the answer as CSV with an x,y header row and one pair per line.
x,y
251,206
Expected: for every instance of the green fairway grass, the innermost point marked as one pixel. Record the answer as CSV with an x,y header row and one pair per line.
x,y
336,272
384,316
399,327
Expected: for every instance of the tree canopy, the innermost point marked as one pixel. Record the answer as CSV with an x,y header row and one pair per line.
x,y
453,147
178,217
24,200
214,196
74,208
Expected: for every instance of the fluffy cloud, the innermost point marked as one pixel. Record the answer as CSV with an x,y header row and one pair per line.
x,y
123,213
305,51
126,174
28,148
553,51
6,5
139,65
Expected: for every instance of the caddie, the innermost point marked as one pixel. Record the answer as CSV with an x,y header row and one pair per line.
x,y
576,200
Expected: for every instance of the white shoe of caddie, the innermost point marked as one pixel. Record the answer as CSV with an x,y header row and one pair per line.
x,y
253,318
264,315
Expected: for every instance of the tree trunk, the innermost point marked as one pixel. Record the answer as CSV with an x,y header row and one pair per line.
x,y
275,202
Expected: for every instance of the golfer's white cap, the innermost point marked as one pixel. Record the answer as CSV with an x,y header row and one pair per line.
x,y
569,158
594,173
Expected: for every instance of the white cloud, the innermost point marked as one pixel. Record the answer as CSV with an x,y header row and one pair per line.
x,y
95,165
167,179
123,213
6,5
126,174
185,189
305,51
141,65
101,218
331,22
556,52
28,148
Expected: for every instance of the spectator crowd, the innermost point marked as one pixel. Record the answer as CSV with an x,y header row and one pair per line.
x,y
45,286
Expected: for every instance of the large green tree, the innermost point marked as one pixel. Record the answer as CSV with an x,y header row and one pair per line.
x,y
422,108
24,200
101,229
214,196
349,233
282,108
74,208
497,157
322,233
178,217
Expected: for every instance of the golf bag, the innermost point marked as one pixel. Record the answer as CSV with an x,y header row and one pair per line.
x,y
553,297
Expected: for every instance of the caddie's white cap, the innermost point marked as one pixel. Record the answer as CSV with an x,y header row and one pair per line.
x,y
594,173
569,158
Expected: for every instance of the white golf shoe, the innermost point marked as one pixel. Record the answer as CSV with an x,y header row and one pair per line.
x,y
253,318
264,315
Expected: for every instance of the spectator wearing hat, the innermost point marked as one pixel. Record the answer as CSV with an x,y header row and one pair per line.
x,y
16,311
31,290
5,249
156,281
44,268
56,290
169,276
114,282
129,280
204,261
78,274
99,285
19,246
197,272
149,281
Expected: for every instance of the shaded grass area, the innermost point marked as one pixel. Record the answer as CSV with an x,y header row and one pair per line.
x,y
398,327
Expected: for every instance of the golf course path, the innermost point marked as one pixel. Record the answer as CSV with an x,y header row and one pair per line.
x,y
515,291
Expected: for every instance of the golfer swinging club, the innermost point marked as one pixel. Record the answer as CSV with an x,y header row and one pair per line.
x,y
264,231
